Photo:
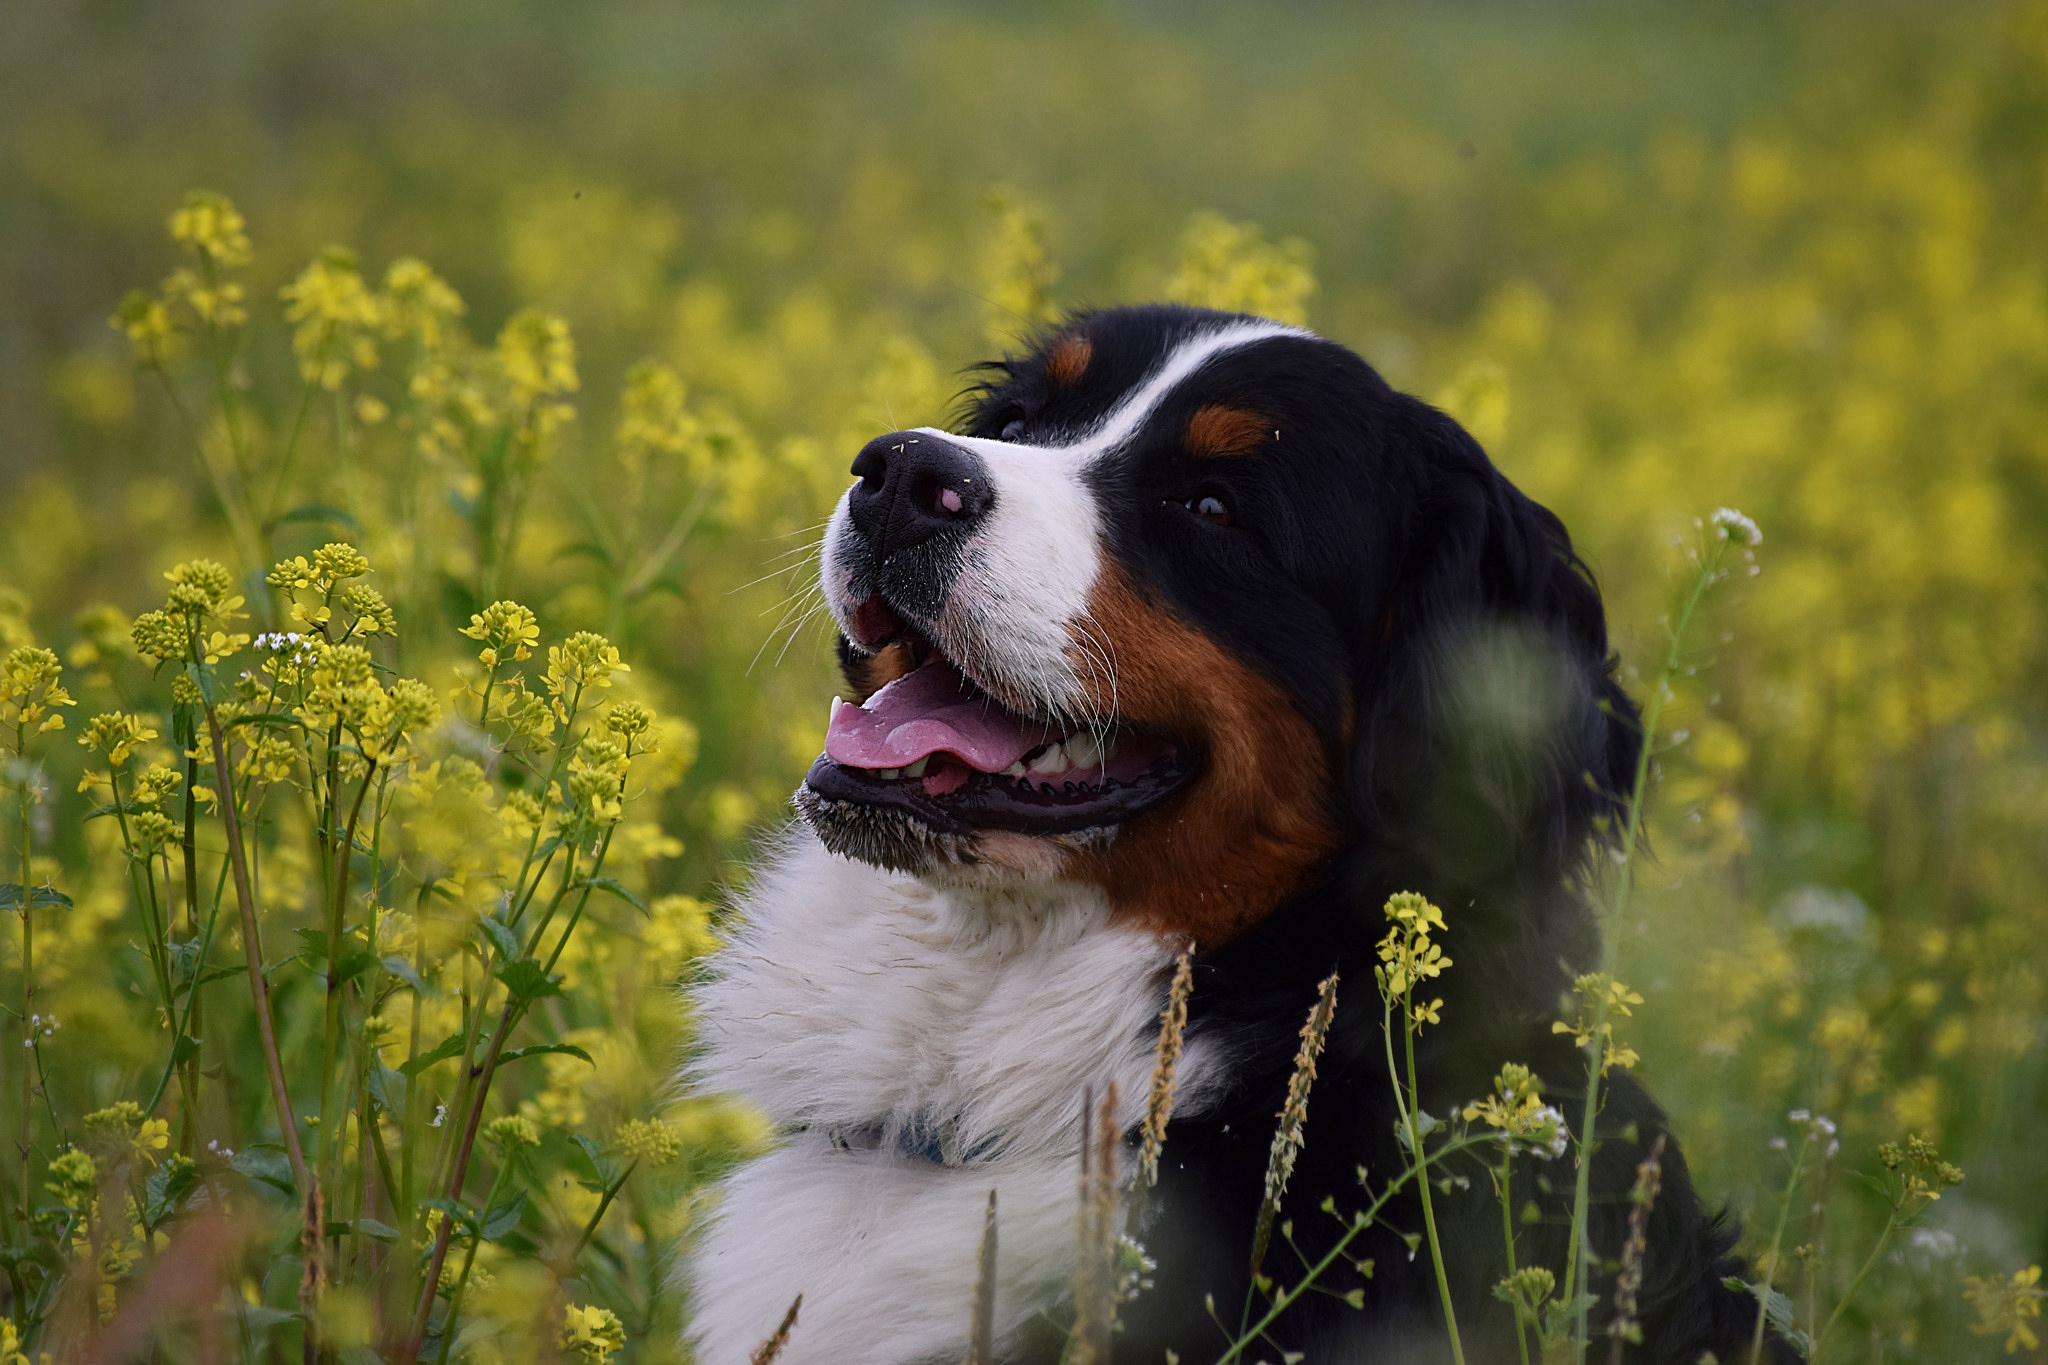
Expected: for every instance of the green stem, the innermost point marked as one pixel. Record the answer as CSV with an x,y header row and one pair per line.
x,y
611,1193
1596,1043
259,990
28,971
1841,1306
337,928
469,1262
1507,1227
1286,1298
1436,1251
1763,1291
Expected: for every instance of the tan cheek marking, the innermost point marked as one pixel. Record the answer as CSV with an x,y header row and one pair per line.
x,y
1218,432
1069,360
869,674
1249,831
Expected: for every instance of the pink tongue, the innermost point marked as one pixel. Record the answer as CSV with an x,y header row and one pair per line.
x,y
929,711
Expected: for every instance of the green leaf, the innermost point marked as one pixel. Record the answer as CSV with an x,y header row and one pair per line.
x,y
184,1050
387,1087
611,885
267,720
39,897
119,808
1778,1312
368,1227
354,960
322,514
201,676
261,1319
451,1046
504,1217
527,982
501,936
267,1164
403,970
513,1054
451,1209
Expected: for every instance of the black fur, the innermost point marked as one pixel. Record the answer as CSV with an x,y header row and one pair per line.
x,y
1438,629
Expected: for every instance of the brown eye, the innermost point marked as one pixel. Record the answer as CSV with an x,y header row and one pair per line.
x,y
1210,507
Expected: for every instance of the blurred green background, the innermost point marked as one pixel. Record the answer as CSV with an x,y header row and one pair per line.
x,y
1659,257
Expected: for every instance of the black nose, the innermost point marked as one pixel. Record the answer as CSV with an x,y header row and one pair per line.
x,y
915,486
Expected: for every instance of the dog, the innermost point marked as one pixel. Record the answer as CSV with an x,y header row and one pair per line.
x,y
1196,632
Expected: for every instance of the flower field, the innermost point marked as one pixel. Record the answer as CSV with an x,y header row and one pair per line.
x,y
415,424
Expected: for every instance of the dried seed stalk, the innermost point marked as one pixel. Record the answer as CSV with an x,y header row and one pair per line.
x,y
1293,1115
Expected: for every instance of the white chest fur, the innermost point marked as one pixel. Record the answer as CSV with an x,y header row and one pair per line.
x,y
855,998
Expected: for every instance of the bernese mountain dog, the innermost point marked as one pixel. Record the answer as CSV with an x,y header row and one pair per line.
x,y
1196,632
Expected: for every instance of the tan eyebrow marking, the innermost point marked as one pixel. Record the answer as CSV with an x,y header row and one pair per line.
x,y
1217,431
1069,360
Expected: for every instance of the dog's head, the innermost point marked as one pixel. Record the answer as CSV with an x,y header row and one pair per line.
x,y
1192,602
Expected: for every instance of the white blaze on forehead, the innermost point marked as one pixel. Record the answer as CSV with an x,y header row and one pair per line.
x,y
1027,573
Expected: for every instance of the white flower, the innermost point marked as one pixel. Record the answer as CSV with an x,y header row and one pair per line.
x,y
1739,530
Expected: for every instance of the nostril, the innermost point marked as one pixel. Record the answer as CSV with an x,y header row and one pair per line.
x,y
934,497
871,467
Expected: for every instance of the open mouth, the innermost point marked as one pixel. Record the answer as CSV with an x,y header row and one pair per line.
x,y
934,746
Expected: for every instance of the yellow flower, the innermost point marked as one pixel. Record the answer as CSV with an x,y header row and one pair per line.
x,y
154,1136
116,735
507,630
1231,266
74,1177
510,1133
152,336
1517,1110
1408,957
210,224
418,303
583,661
1598,991
2011,1306
29,691
335,319
649,1140
538,359
594,1334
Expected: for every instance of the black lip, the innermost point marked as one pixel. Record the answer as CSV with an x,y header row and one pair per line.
x,y
989,802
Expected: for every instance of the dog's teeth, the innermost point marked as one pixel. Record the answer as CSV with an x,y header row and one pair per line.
x,y
917,769
837,702
1084,751
1053,760
888,774
1014,770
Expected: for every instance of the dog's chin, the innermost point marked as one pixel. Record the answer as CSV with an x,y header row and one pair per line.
x,y
899,841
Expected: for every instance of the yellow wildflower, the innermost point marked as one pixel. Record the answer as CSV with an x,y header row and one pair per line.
x,y
1595,991
335,319
507,630
538,359
210,224
29,691
418,303
510,1133
152,336
1408,957
116,735
2011,1306
649,1140
583,661
1517,1110
593,1334
74,1177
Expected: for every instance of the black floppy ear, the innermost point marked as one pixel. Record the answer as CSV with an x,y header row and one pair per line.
x,y
1489,723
